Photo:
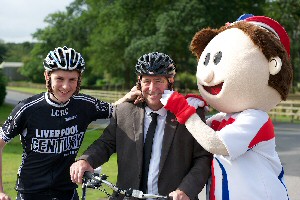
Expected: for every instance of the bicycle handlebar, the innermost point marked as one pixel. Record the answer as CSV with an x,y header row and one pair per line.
x,y
91,180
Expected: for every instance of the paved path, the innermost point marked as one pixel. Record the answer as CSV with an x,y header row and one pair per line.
x,y
287,140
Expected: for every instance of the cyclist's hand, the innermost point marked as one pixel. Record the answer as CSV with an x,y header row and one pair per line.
x,y
179,195
132,95
4,196
77,170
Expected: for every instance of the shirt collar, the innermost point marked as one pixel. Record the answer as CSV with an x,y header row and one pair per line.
x,y
161,112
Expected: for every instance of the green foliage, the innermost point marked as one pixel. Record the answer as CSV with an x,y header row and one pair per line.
x,y
287,12
3,83
112,35
33,69
13,52
3,50
186,80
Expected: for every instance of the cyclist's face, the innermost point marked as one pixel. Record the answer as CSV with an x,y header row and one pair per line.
x,y
64,84
152,88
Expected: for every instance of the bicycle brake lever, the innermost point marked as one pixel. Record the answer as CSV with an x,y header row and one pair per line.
x,y
139,194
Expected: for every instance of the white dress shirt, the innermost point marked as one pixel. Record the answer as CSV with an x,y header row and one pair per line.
x,y
156,147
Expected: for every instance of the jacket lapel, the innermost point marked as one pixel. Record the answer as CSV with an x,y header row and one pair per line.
x,y
169,133
138,128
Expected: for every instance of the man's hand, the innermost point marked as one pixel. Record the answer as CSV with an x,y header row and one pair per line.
x,y
77,170
4,196
179,195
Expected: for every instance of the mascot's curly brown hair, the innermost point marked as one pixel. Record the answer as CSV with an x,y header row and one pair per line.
x,y
243,71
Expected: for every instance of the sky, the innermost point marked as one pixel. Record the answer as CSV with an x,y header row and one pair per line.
x,y
19,19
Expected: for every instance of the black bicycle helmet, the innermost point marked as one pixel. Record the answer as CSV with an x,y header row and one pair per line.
x,y
64,58
155,63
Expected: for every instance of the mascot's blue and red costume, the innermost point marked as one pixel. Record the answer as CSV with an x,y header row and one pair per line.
x,y
243,71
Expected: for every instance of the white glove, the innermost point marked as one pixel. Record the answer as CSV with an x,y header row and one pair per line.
x,y
165,96
195,102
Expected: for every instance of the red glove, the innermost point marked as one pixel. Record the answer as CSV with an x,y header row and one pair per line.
x,y
178,105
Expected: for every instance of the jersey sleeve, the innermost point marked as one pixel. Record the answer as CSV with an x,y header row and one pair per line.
x,y
15,123
238,136
104,109
95,108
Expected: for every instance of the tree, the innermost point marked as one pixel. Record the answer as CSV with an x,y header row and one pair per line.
x,y
287,12
112,35
2,86
125,30
3,50
68,28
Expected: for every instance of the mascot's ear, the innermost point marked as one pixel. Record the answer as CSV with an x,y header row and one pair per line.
x,y
201,39
275,65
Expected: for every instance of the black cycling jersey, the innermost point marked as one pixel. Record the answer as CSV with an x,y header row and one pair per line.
x,y
51,135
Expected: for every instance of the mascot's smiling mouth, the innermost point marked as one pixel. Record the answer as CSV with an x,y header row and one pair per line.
x,y
214,90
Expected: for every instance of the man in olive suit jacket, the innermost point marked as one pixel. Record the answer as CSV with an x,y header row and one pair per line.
x,y
179,166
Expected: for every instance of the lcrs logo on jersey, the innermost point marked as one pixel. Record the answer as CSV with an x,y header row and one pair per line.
x,y
59,112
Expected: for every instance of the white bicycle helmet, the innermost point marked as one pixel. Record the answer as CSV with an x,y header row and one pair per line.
x,y
64,58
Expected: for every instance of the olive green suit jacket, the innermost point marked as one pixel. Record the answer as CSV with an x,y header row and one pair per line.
x,y
184,164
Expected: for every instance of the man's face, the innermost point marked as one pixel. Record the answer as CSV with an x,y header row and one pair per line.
x,y
152,89
63,84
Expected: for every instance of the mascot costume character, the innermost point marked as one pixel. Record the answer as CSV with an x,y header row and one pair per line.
x,y
243,71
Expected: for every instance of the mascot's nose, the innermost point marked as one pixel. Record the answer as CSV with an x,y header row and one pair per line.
x,y
206,75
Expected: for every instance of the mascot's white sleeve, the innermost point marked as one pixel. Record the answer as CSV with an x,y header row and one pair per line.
x,y
205,136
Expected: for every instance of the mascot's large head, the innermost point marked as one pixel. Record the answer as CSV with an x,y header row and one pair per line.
x,y
243,65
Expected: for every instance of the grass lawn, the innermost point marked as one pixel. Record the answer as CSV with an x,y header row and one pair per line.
x,y
5,109
12,160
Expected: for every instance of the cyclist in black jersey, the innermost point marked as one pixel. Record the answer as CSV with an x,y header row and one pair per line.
x,y
51,126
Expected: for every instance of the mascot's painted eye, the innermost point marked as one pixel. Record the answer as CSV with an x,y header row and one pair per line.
x,y
207,57
217,57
